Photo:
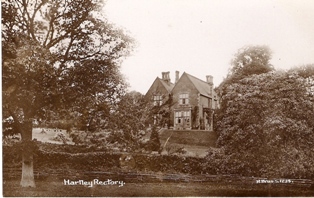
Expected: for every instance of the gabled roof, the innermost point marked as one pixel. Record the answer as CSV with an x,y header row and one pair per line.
x,y
203,87
168,85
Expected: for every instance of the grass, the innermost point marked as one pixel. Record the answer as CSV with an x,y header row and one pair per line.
x,y
190,137
58,189
195,142
49,135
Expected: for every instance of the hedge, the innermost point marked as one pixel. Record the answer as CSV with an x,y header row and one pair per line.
x,y
101,161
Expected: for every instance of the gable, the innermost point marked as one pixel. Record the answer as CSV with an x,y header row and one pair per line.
x,y
167,86
201,86
159,86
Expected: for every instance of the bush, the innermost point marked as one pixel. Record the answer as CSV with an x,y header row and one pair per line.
x,y
154,142
60,137
219,162
56,157
268,140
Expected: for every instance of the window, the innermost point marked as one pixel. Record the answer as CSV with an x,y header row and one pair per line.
x,y
178,118
184,99
182,116
157,100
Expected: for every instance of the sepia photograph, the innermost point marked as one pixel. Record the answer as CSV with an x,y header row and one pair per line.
x,y
157,98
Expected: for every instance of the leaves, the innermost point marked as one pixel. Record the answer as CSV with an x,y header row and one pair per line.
x,y
248,61
61,56
266,117
251,60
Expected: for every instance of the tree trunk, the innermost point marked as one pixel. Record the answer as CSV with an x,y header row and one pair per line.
x,y
27,156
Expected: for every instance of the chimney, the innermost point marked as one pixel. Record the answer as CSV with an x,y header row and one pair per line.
x,y
177,76
209,80
165,76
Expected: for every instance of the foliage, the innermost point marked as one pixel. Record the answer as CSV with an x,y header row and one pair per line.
x,y
249,60
154,142
53,156
61,56
127,115
60,137
126,122
307,73
267,126
159,114
194,115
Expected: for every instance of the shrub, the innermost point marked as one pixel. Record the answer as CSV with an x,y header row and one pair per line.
x,y
56,157
154,142
60,137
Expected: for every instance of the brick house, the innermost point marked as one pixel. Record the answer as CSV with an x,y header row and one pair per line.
x,y
192,100
159,93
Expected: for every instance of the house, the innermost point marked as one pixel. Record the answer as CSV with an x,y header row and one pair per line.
x,y
158,94
192,101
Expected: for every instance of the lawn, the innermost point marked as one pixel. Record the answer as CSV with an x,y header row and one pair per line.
x,y
49,134
190,137
195,142
58,189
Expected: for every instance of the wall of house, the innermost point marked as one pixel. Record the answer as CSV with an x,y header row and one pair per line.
x,y
196,101
184,85
157,89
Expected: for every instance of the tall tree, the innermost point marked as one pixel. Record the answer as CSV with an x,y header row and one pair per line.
x,y
267,126
127,119
58,55
249,60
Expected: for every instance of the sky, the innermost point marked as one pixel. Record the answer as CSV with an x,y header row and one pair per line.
x,y
200,37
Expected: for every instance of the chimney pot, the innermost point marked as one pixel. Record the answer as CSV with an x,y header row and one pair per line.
x,y
165,76
177,76
209,79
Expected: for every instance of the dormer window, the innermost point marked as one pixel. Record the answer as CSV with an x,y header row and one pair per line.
x,y
157,100
184,99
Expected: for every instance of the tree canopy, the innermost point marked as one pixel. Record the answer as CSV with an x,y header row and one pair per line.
x,y
249,60
61,56
267,124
